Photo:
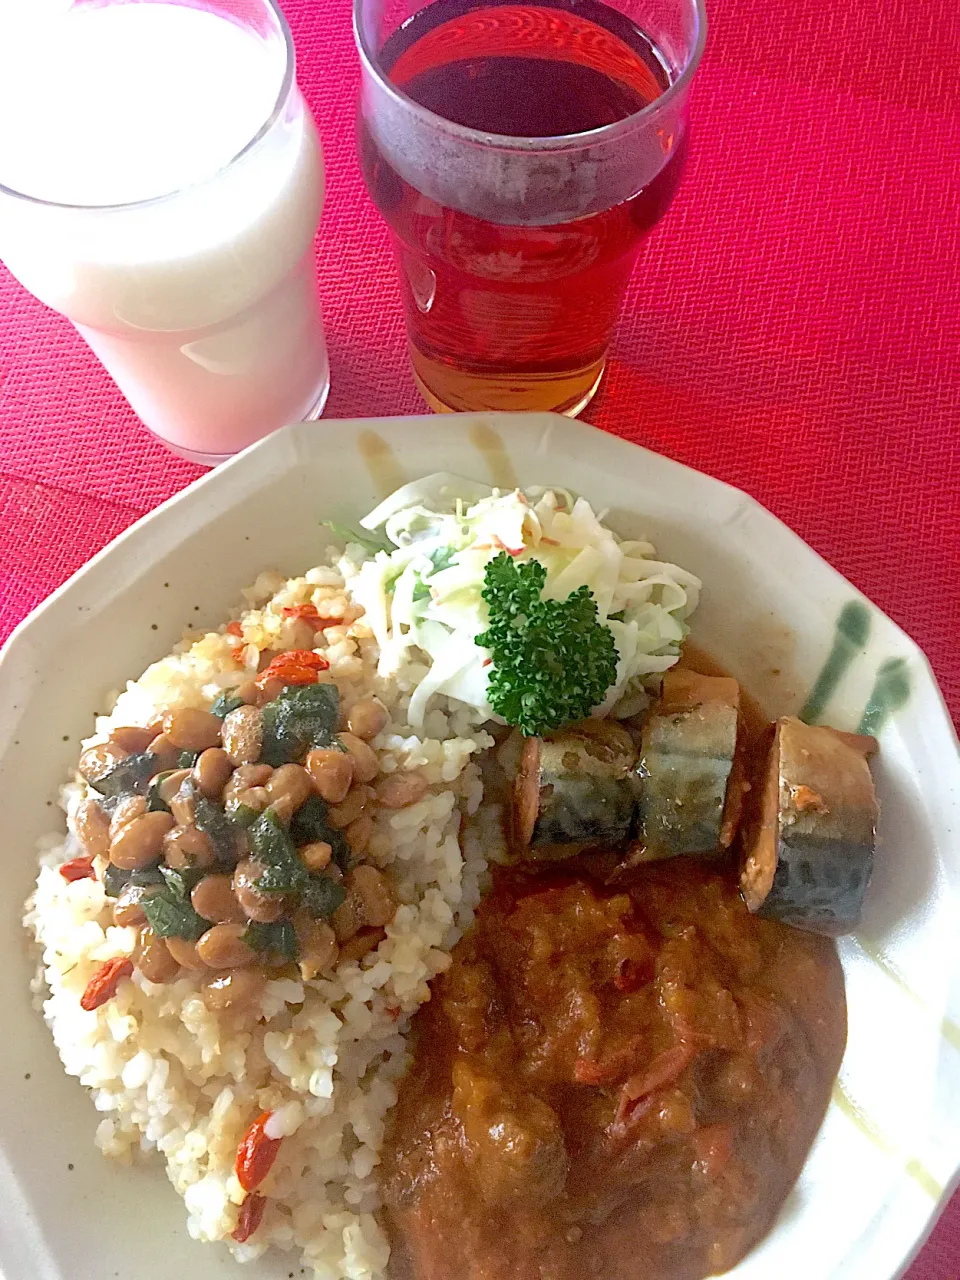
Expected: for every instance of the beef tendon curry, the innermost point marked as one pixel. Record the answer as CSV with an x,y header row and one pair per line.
x,y
611,1081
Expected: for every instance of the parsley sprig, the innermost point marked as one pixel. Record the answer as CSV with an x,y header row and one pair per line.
x,y
553,660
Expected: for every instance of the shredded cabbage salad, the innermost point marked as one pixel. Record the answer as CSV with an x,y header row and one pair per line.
x,y
423,593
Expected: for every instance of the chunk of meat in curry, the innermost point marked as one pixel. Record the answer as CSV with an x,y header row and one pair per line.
x,y
611,1083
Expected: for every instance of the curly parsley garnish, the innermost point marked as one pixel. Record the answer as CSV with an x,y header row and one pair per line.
x,y
553,660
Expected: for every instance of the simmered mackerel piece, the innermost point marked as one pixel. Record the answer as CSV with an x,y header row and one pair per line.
x,y
691,787
574,789
809,853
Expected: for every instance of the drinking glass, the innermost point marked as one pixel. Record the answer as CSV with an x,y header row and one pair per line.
x,y
520,153
199,297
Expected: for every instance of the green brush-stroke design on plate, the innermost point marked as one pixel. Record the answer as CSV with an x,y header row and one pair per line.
x,y
891,690
852,633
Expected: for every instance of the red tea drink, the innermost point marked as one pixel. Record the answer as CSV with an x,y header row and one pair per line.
x,y
513,275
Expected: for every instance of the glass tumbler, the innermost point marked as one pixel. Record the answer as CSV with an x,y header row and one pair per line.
x,y
163,190
520,153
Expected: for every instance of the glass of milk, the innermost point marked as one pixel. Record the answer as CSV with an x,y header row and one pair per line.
x,y
161,184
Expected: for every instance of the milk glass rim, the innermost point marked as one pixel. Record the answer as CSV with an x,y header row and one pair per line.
x,y
558,142
286,85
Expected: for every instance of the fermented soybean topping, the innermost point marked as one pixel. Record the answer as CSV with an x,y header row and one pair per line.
x,y
690,767
171,845
808,851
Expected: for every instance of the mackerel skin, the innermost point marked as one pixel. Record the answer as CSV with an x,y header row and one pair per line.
x,y
809,856
690,788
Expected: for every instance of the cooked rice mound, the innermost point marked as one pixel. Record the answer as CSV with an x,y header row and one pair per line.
x,y
169,1074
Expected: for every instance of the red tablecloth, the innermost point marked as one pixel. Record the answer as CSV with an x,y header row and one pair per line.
x,y
794,325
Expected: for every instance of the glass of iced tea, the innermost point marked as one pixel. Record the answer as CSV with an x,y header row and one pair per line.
x,y
520,153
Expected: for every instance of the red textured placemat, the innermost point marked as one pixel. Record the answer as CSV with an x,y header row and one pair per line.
x,y
793,327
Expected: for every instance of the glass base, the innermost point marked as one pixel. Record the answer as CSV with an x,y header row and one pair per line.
x,y
567,393
214,459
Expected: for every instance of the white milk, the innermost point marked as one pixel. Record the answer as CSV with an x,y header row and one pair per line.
x,y
199,295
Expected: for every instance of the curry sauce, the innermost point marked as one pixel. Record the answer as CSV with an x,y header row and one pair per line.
x,y
610,1081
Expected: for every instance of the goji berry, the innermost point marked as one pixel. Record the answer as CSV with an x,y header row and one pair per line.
x,y
288,675
300,658
103,985
302,612
310,613
78,869
251,1215
256,1154
294,666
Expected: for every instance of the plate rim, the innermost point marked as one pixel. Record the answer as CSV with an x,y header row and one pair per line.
x,y
303,441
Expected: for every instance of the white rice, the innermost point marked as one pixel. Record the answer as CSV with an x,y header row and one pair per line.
x,y
170,1075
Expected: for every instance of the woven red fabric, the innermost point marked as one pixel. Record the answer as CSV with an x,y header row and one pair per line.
x,y
793,326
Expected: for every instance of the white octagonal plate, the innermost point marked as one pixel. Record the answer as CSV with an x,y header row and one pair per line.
x,y
773,613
